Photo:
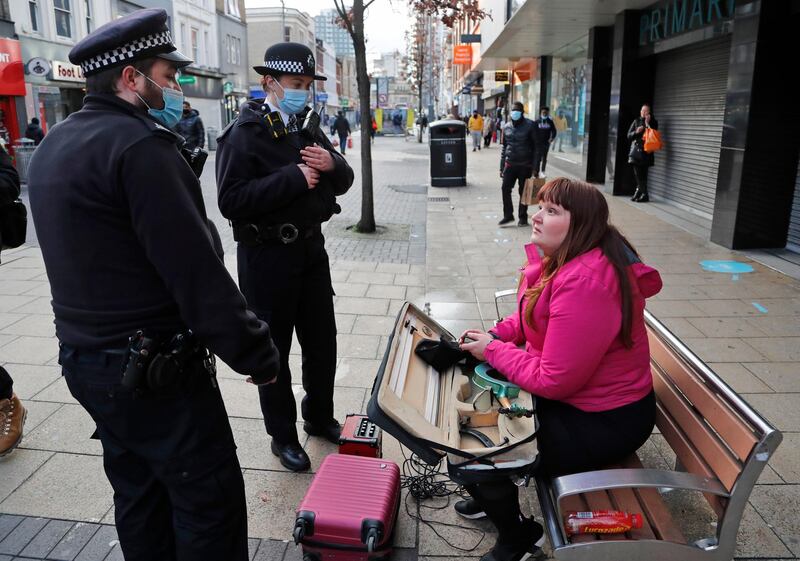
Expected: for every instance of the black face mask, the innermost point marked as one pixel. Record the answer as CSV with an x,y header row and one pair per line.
x,y
186,112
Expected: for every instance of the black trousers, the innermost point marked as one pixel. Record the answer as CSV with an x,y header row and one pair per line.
x,y
540,157
289,287
171,460
6,384
343,143
640,173
570,441
515,174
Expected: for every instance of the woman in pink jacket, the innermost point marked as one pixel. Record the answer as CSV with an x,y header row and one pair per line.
x,y
585,355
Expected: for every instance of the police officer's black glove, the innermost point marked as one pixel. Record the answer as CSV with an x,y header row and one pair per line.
x,y
261,380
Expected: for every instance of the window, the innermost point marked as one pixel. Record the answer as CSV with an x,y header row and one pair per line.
x,y
63,14
89,25
33,6
287,33
232,8
184,44
194,39
237,51
206,45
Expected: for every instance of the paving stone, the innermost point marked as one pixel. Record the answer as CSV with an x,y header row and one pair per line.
x,y
241,398
356,289
756,538
30,380
780,409
780,376
38,412
357,346
724,349
270,550
76,539
786,461
739,378
41,305
11,303
373,325
368,306
7,524
725,327
101,544
34,325
67,486
115,554
57,392
253,444
47,539
356,372
19,466
68,430
385,291
371,278
775,503
8,319
21,535
30,350
777,349
272,499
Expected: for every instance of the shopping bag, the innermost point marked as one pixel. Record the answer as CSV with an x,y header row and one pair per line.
x,y
652,141
636,155
335,141
530,192
350,142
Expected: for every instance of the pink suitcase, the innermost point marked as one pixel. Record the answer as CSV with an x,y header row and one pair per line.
x,y
350,509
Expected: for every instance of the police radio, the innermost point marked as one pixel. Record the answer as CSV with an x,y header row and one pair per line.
x,y
310,126
275,125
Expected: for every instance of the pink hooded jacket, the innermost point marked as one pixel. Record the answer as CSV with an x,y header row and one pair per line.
x,y
575,354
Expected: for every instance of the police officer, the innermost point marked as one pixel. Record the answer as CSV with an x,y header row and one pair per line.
x,y
278,177
141,295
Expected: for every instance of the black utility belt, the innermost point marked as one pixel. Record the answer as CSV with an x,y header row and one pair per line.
x,y
154,364
251,234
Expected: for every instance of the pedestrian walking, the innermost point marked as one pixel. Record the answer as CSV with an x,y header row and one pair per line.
x,y
373,130
475,126
545,136
142,299
488,127
12,413
34,131
277,189
424,123
561,129
516,161
342,128
190,127
641,161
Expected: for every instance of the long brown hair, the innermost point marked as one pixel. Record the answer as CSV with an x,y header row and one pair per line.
x,y
588,228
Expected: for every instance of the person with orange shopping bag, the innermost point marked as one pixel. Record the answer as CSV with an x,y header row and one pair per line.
x,y
638,158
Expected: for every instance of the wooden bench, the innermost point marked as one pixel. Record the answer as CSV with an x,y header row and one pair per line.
x,y
721,446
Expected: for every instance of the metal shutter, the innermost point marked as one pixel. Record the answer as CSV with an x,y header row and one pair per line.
x,y
793,241
689,103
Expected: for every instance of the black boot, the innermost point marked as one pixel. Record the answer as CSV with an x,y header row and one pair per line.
x,y
518,546
636,195
643,198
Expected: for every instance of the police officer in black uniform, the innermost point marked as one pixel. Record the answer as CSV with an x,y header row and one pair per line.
x,y
278,177
141,295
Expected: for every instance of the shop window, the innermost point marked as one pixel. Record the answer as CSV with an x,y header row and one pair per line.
x,y
63,12
33,7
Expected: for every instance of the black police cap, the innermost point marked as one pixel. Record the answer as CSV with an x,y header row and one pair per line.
x,y
289,58
139,35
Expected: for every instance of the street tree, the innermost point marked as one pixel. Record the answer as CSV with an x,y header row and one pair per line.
x,y
351,18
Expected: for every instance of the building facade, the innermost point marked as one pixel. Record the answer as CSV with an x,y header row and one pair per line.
x,y
233,60
326,28
712,70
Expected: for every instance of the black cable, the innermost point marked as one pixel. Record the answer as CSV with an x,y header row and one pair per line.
x,y
425,482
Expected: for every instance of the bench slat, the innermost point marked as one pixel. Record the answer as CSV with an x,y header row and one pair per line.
x,y
578,504
599,500
626,500
716,455
736,434
692,461
655,510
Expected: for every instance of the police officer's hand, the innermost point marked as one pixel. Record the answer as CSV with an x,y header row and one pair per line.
x,y
317,158
260,382
312,175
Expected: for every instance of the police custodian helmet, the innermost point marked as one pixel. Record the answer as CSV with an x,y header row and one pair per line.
x,y
288,58
139,35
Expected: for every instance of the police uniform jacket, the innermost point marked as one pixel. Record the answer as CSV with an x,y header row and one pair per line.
x,y
259,181
519,143
122,226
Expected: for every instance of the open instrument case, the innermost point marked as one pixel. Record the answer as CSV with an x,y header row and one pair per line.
x,y
433,413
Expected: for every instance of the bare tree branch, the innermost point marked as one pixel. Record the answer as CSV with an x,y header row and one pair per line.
x,y
368,4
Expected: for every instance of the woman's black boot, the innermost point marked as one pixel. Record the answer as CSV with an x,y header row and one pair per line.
x,y
643,198
636,195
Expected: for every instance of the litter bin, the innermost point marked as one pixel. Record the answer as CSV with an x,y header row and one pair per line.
x,y
212,138
23,152
448,153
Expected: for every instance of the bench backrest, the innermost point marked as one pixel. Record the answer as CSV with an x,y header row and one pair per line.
x,y
713,432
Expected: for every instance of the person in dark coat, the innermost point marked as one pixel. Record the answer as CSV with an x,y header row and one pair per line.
x,y
278,181
641,161
34,131
12,413
135,265
516,160
545,136
190,127
342,128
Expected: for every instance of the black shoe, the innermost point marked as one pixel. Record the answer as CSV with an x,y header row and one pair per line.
x,y
643,198
474,149
636,195
292,456
529,543
522,222
468,508
505,221
330,431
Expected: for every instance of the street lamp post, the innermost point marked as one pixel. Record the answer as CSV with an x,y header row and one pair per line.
x,y
283,19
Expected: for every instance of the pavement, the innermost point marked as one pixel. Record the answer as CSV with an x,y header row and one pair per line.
x,y
441,249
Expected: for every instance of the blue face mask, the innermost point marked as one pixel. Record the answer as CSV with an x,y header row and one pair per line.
x,y
516,115
294,101
173,106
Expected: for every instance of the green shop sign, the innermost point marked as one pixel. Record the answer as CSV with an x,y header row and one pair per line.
x,y
673,17
186,79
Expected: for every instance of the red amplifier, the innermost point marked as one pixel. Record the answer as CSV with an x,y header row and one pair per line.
x,y
360,437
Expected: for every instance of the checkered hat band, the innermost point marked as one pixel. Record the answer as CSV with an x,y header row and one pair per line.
x,y
291,66
126,52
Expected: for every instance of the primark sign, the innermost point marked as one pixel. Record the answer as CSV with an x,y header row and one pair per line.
x,y
674,17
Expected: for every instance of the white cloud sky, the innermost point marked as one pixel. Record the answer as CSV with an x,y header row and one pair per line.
x,y
386,20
